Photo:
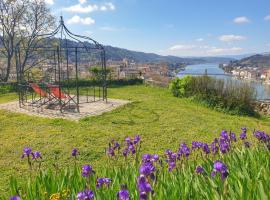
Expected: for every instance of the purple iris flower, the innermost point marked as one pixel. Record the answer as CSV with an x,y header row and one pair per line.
x,y
146,158
128,140
27,152
224,135
220,167
224,146
137,139
110,151
199,170
144,187
147,169
233,137
143,196
85,195
103,182
261,136
116,146
87,170
206,148
172,165
183,150
15,198
150,158
74,152
216,140
214,147
123,194
125,152
243,135
131,149
36,155
247,144
155,157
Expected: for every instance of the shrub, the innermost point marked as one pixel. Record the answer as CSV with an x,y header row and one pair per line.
x,y
180,87
7,88
110,83
226,95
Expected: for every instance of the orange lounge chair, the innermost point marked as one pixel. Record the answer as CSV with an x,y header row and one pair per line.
x,y
61,96
44,97
38,90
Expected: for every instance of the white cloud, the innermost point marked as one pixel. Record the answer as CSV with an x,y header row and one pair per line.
x,y
199,39
267,18
82,1
224,51
107,6
50,2
78,8
231,38
268,45
78,20
201,50
178,47
241,20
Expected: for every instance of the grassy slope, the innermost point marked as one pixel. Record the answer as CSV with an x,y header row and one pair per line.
x,y
161,120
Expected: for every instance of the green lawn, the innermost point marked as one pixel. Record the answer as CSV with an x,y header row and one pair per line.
x,y
161,119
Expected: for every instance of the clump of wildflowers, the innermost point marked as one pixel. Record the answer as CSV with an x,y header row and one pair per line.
x,y
131,145
220,167
171,159
113,146
28,153
85,195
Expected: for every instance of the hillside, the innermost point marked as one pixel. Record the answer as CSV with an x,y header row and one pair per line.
x,y
255,61
115,53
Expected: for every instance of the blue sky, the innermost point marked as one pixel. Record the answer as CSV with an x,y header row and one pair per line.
x,y
172,27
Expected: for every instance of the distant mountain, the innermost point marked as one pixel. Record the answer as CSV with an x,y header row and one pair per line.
x,y
115,53
255,61
118,54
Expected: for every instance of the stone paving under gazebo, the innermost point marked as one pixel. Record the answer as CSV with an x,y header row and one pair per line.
x,y
86,109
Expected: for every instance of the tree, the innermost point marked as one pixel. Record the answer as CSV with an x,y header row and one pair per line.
x,y
98,73
11,12
37,21
22,21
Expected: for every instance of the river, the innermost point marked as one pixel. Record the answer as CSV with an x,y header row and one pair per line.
x,y
263,90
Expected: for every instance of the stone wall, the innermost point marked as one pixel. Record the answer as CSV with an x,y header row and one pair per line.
x,y
262,106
